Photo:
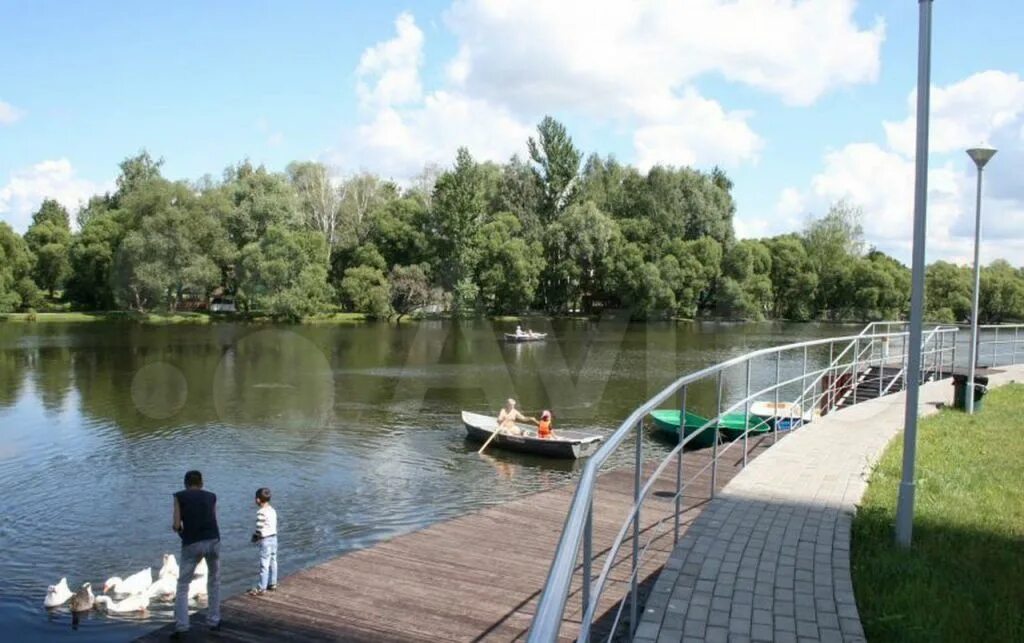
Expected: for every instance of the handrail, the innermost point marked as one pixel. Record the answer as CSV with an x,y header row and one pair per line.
x,y
551,606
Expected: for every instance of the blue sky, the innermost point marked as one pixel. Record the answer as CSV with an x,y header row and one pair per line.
x,y
790,97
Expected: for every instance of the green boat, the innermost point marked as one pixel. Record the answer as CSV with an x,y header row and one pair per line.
x,y
730,426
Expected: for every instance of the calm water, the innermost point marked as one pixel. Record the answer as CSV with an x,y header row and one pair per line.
x,y
355,428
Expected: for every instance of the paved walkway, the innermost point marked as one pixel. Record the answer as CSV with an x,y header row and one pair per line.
x,y
769,558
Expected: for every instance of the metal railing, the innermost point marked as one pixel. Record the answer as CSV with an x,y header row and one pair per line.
x,y
991,337
853,356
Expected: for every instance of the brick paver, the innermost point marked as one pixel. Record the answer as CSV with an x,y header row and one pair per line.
x,y
769,558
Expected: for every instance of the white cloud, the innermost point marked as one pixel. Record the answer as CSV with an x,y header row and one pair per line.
x,y
634,63
985,106
404,129
579,51
389,72
9,114
963,114
26,189
694,129
631,64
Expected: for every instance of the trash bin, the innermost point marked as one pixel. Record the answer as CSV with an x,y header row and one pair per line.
x,y
960,391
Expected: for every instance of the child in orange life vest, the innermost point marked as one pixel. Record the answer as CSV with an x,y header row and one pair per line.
x,y
544,426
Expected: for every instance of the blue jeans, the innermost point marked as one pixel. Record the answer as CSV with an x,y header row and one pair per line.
x,y
268,561
190,557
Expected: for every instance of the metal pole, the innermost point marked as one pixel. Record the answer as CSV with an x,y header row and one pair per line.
x,y
856,356
714,447
633,590
679,463
995,347
956,340
831,377
803,389
588,559
905,504
746,416
973,355
1016,332
775,422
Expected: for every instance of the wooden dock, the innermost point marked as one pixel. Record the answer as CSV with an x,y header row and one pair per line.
x,y
472,578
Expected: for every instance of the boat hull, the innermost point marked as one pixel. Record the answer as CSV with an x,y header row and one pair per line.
x,y
536,337
730,427
568,445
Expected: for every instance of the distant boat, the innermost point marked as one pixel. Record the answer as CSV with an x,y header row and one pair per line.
x,y
730,426
566,444
785,414
525,337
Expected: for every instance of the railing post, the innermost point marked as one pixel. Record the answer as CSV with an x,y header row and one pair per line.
x,y
746,415
856,357
881,372
995,347
679,463
941,355
714,447
830,397
775,422
1016,333
634,597
956,338
588,559
803,389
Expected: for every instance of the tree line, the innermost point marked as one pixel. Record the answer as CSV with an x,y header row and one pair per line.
x,y
552,232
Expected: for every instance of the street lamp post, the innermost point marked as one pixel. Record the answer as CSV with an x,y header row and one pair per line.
x,y
912,376
980,155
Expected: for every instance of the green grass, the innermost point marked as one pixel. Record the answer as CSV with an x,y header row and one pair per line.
x,y
71,316
963,578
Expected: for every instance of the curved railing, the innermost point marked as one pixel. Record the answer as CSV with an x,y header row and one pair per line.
x,y
850,361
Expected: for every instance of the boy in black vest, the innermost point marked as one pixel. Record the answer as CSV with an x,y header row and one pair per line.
x,y
195,520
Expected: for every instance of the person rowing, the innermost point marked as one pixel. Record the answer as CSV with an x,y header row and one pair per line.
x,y
509,415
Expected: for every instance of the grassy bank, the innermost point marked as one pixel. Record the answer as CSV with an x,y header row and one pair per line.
x,y
963,579
168,318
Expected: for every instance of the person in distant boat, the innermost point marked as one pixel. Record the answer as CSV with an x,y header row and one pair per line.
x,y
519,331
509,415
544,426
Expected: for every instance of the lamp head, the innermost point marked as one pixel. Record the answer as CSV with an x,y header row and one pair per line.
x,y
981,154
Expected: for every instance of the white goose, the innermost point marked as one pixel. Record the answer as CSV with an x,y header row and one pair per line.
x,y
201,569
136,603
135,584
57,595
164,588
197,587
170,567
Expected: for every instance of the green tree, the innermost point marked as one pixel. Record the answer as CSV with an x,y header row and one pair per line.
x,y
92,256
947,292
556,166
366,290
17,290
319,199
49,238
793,278
1002,293
259,200
508,267
174,250
281,274
410,289
834,244
458,210
136,171
583,240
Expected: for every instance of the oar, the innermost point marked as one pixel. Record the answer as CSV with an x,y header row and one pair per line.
x,y
497,429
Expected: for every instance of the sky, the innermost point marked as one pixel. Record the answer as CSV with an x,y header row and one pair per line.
x,y
802,102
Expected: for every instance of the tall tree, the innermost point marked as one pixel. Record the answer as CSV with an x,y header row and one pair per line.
x,y
319,198
281,274
17,289
458,211
834,244
557,166
49,238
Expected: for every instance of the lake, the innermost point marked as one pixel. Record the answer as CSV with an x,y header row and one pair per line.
x,y
355,428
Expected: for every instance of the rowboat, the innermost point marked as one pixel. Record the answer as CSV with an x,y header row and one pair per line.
x,y
566,444
785,414
730,426
525,337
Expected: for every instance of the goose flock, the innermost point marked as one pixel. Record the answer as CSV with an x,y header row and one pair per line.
x,y
130,594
